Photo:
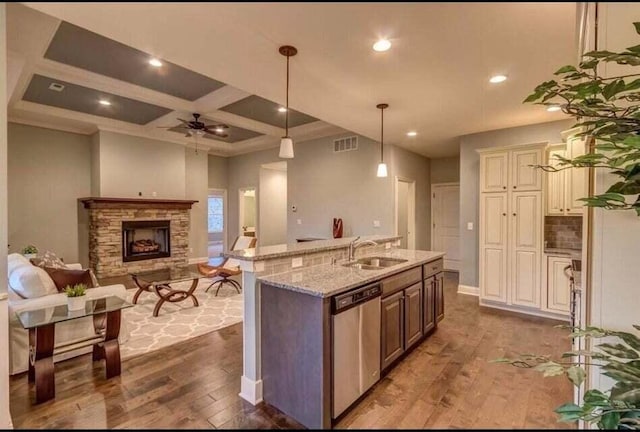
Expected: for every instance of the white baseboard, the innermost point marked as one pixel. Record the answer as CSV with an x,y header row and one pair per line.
x,y
251,390
198,260
469,290
524,310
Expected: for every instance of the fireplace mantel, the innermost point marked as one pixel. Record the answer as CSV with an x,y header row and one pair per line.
x,y
135,203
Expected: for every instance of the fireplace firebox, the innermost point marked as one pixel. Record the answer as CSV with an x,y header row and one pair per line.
x,y
143,240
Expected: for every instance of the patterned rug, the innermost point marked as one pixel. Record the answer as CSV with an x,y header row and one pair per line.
x,y
177,322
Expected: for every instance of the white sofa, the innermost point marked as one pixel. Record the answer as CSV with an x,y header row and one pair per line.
x,y
27,280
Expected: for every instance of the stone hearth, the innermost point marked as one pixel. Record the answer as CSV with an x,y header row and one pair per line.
x,y
105,232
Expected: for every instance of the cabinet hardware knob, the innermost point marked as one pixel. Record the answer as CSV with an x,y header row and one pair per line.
x,y
504,187
561,209
514,214
514,187
504,214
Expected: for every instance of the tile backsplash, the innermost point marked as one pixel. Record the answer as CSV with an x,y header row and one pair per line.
x,y
563,232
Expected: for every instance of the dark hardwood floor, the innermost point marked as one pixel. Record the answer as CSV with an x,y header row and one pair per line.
x,y
446,382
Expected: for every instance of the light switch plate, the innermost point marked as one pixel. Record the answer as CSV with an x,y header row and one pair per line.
x,y
387,245
299,221
470,226
296,262
376,224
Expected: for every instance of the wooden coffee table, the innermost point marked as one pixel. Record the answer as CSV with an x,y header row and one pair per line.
x,y
159,282
41,324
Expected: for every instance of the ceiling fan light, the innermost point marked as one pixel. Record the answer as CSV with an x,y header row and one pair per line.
x,y
382,169
286,148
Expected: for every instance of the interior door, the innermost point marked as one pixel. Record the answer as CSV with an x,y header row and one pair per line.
x,y
446,223
493,246
525,248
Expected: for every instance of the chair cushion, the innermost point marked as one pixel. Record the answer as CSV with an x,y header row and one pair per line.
x,y
63,277
31,282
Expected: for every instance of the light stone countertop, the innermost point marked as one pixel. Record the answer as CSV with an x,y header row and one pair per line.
x,y
330,279
291,249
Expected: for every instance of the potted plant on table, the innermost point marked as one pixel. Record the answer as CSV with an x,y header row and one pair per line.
x,y
29,251
76,296
607,110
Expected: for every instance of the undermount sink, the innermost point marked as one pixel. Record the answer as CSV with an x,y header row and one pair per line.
x,y
374,263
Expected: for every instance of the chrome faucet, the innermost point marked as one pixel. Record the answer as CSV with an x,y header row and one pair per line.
x,y
355,244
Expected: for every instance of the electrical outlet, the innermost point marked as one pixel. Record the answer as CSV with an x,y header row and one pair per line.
x,y
387,245
296,262
376,224
190,250
470,226
154,194
299,221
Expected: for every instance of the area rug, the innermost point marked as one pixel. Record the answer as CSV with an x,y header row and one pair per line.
x,y
178,322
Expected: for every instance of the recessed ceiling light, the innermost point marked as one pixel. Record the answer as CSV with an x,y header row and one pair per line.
x,y
412,133
155,62
219,130
282,109
56,87
497,79
104,102
382,45
553,108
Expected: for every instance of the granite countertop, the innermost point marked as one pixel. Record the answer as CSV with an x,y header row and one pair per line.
x,y
572,253
291,249
330,279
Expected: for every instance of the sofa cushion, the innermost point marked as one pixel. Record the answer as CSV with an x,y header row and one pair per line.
x,y
63,277
48,259
14,261
31,282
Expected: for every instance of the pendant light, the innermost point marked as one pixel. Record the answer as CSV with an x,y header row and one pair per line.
x,y
286,143
382,167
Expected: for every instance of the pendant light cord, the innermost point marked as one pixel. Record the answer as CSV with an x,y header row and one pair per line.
x,y
286,116
382,135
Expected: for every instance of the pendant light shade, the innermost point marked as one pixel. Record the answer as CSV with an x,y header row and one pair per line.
x,y
286,143
382,167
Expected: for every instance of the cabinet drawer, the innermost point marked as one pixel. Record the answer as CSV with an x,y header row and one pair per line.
x,y
433,267
401,280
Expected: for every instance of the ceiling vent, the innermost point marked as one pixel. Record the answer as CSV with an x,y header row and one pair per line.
x,y
56,87
345,144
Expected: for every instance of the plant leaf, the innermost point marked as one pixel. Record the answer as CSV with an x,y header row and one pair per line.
x,y
619,350
637,26
565,69
610,420
576,375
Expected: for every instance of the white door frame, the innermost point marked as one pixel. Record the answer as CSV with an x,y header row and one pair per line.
x,y
225,222
411,201
241,192
434,186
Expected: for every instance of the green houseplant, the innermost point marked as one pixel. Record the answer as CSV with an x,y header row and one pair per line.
x,y
607,111
29,251
75,296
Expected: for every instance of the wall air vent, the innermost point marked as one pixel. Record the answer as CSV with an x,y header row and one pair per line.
x,y
345,144
56,87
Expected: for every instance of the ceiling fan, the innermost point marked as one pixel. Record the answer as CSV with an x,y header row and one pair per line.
x,y
196,127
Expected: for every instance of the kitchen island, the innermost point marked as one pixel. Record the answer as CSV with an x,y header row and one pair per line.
x,y
329,331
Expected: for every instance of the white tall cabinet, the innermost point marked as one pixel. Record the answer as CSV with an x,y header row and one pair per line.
x,y
511,226
566,187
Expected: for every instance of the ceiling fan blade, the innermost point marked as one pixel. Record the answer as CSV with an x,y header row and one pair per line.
x,y
215,126
183,121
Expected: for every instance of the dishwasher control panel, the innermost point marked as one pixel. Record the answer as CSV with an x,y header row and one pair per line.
x,y
355,297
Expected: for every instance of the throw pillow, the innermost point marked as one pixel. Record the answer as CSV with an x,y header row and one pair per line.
x,y
48,259
64,277
31,282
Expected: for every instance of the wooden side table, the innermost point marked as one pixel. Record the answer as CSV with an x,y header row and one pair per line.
x,y
41,323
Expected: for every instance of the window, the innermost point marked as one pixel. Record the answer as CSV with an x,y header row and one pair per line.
x,y
216,214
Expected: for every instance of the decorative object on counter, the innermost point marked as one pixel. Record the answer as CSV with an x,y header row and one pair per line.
x,y
337,227
382,167
608,112
286,143
76,296
618,408
29,251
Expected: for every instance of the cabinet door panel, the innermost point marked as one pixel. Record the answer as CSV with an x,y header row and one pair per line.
x,y
392,326
439,297
412,314
526,248
524,177
494,172
575,178
558,285
428,310
493,247
556,185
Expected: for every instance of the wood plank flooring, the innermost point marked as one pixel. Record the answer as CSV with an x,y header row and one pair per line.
x,y
447,382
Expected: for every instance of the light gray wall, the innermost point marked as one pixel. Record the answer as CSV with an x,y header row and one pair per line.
x,y
197,188
218,177
412,166
273,207
324,185
129,165
445,170
470,177
95,164
48,171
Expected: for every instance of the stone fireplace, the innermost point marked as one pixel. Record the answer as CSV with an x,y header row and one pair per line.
x,y
133,235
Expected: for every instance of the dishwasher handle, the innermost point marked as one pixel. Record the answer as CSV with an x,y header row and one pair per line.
x,y
355,297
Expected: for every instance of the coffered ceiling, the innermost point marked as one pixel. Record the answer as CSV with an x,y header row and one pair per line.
x,y
434,77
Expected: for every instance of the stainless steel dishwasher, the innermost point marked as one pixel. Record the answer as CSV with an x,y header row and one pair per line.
x,y
356,345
